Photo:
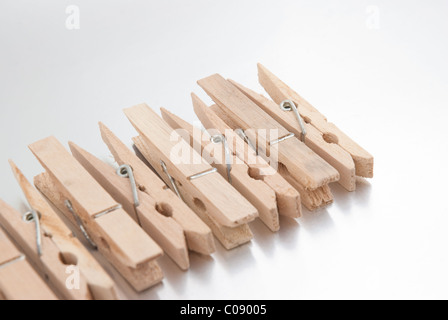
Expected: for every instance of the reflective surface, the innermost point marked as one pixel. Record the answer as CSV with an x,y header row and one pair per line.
x,y
378,69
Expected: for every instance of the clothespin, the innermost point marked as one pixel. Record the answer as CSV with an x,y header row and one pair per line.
x,y
18,280
101,219
231,168
280,92
198,235
52,247
121,184
299,165
286,115
287,198
215,201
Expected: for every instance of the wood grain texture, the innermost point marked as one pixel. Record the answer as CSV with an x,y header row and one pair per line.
x,y
258,193
60,247
19,281
340,159
303,164
230,238
222,201
198,234
279,92
168,234
118,237
288,199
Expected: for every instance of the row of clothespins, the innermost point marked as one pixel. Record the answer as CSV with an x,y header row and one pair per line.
x,y
133,215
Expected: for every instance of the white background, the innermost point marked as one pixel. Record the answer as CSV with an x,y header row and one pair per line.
x,y
383,81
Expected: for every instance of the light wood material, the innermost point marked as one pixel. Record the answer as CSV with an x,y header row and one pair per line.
x,y
217,203
311,199
288,199
340,159
18,280
222,201
60,247
258,193
198,235
299,162
304,165
229,237
279,92
168,234
119,238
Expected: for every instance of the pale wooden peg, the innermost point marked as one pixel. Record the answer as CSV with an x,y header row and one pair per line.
x,y
298,164
168,234
198,234
60,248
217,203
340,159
223,202
306,167
288,199
229,237
118,237
311,199
18,280
257,192
279,92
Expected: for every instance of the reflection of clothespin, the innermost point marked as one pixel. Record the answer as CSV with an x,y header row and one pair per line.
x,y
122,186
232,169
279,92
288,199
101,219
199,237
54,247
18,280
298,164
215,201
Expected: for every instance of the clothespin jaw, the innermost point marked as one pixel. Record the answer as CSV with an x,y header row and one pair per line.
x,y
59,247
298,164
163,229
279,92
217,203
288,199
233,169
75,193
18,280
198,235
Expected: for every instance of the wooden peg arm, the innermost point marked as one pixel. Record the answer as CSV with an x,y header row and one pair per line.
x,y
222,201
303,164
279,92
117,236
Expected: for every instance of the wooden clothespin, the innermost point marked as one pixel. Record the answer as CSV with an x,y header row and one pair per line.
x,y
101,219
314,139
280,92
232,169
287,198
198,235
18,280
50,244
142,207
215,201
298,164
